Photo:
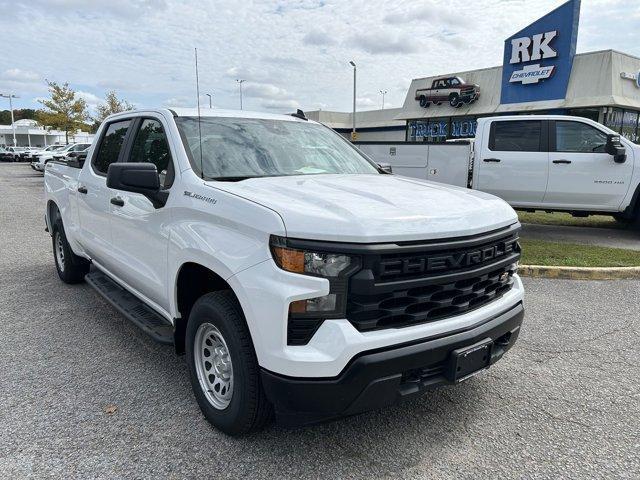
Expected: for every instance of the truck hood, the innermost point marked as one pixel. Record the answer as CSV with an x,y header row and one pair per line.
x,y
373,208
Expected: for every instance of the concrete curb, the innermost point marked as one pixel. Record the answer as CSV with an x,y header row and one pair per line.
x,y
580,273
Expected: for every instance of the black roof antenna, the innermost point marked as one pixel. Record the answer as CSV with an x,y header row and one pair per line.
x,y
199,128
300,114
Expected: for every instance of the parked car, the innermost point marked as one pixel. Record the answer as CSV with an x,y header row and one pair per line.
x,y
449,89
534,162
4,154
12,154
26,154
33,154
58,154
295,274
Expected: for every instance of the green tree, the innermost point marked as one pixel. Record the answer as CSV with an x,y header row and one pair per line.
x,y
112,104
64,110
18,114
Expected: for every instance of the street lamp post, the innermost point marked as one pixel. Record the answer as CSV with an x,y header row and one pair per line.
x,y
353,133
13,123
209,95
240,82
383,93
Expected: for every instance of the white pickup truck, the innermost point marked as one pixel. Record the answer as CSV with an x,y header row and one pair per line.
x,y
534,162
296,275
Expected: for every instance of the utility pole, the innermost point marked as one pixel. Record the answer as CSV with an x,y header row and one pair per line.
x,y
13,123
209,95
383,93
353,133
240,82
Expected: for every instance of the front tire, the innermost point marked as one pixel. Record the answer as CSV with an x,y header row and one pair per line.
x,y
223,366
454,100
71,268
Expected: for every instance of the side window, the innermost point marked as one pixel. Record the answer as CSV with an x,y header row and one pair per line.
x,y
516,136
151,145
110,146
455,82
579,137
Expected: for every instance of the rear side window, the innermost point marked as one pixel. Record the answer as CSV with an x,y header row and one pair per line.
x,y
516,136
110,147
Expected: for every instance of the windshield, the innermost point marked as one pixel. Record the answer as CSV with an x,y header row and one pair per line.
x,y
238,148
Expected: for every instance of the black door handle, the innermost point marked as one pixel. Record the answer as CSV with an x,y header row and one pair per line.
x,y
117,201
494,160
562,161
82,190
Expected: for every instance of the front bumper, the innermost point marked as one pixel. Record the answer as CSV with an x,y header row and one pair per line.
x,y
383,377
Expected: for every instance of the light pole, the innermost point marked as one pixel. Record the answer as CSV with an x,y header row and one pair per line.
x,y
383,93
209,95
240,82
353,133
13,123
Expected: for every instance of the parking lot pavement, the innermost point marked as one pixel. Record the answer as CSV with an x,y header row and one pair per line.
x,y
563,403
602,237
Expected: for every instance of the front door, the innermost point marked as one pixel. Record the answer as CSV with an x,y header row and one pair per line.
x,y
140,234
513,163
582,175
93,194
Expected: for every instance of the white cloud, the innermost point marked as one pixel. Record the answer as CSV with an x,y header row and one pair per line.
x,y
316,37
378,42
91,99
365,102
289,52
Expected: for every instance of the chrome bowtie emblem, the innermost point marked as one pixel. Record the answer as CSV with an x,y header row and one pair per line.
x,y
503,276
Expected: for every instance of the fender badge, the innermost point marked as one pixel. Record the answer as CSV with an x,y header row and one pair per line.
x,y
213,201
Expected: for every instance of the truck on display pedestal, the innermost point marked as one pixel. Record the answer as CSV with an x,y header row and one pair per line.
x,y
534,162
296,275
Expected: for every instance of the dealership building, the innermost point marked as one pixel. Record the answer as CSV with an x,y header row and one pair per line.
x,y
29,133
540,74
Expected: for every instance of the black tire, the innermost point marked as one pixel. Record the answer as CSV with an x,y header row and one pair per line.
x,y
423,102
454,100
71,268
248,409
624,220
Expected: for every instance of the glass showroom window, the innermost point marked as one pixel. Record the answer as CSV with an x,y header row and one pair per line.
x,y
614,119
630,125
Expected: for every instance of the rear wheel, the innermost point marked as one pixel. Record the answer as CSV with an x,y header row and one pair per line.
x,y
423,102
223,366
71,268
454,100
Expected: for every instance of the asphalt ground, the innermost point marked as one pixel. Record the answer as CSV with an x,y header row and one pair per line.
x,y
563,403
601,237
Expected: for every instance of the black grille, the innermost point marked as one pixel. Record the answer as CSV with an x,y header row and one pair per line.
x,y
404,307
401,288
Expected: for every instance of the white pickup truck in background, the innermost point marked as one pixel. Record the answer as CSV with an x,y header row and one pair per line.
x,y
534,162
294,273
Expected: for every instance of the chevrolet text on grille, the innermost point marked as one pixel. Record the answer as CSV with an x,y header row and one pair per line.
x,y
446,262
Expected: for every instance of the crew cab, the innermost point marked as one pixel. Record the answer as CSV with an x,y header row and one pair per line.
x,y
534,162
295,274
449,89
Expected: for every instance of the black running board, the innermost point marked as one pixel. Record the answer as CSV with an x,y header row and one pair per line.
x,y
132,308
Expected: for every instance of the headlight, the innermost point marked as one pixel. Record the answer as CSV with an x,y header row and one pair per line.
x,y
308,314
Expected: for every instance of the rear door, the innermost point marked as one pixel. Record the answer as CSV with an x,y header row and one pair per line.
x,y
94,196
582,175
140,231
513,163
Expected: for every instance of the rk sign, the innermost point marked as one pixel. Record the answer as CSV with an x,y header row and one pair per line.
x,y
538,59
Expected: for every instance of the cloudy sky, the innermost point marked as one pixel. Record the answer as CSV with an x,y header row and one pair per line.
x,y
292,53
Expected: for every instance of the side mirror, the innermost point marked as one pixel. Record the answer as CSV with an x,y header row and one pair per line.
x,y
137,178
385,167
614,147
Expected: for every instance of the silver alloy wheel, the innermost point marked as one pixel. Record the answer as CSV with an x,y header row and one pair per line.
x,y
59,251
213,365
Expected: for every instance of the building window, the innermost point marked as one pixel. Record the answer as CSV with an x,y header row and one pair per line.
x,y
441,129
630,125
